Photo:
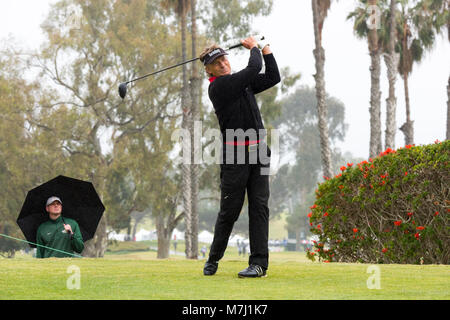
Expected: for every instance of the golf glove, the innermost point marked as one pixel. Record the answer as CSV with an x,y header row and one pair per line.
x,y
262,42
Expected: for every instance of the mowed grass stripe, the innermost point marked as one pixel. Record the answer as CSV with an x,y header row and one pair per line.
x,y
142,276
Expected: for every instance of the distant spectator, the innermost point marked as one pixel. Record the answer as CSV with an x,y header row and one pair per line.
x,y
203,251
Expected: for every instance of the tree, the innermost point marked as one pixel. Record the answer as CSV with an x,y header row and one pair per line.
x,y
416,35
158,184
320,10
436,14
181,8
17,157
368,9
391,60
83,66
295,181
226,20
195,90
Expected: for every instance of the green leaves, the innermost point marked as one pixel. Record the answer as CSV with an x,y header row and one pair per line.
x,y
388,209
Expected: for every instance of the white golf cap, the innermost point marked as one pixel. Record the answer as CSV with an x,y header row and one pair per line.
x,y
52,199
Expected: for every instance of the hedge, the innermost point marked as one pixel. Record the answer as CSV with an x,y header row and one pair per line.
x,y
391,209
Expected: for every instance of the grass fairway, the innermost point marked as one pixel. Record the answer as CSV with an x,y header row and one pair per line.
x,y
141,276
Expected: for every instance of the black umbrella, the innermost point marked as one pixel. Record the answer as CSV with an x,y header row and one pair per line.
x,y
80,202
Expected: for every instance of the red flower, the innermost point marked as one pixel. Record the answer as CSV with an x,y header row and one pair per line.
x,y
436,213
417,235
325,214
420,228
343,168
319,226
384,250
398,223
387,151
349,164
313,206
408,146
410,214
355,230
310,215
341,187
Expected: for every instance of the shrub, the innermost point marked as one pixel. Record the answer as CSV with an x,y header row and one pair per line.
x,y
391,209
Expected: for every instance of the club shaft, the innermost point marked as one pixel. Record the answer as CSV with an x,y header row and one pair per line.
x,y
176,65
162,70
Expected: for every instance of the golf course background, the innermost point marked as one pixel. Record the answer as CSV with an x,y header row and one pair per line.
x,y
139,275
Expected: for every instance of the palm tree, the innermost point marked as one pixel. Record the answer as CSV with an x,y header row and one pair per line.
x,y
408,54
362,30
437,14
320,10
391,61
195,86
415,35
181,8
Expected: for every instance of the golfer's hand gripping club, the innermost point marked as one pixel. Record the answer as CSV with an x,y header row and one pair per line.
x,y
123,86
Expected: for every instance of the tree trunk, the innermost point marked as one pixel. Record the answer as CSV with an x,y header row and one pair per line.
x,y
319,55
391,61
165,224
163,238
375,109
137,219
96,247
187,124
195,86
448,109
375,146
407,128
298,245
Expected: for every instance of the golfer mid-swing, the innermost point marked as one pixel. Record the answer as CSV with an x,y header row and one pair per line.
x,y
233,98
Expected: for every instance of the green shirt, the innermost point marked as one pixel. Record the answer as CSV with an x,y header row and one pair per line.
x,y
52,234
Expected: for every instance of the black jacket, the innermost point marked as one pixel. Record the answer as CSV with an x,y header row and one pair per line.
x,y
233,95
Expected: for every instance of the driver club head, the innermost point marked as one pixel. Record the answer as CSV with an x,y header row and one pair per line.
x,y
122,90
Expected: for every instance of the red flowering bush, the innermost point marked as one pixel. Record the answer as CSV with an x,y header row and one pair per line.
x,y
391,209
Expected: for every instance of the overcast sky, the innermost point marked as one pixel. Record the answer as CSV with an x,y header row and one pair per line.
x,y
289,30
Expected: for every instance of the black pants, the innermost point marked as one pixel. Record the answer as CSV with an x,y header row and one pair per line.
x,y
235,180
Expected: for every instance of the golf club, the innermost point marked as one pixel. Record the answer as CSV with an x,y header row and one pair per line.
x,y
123,85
